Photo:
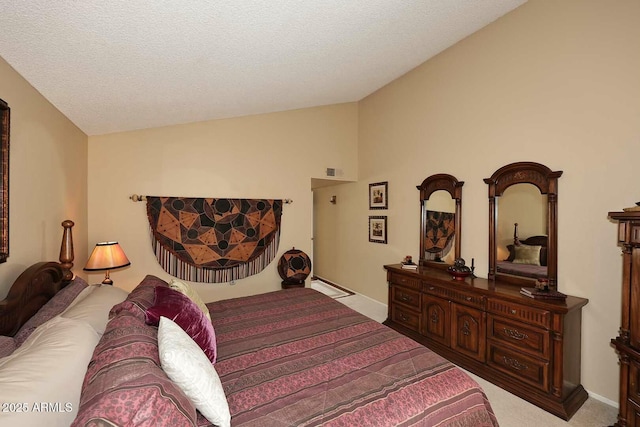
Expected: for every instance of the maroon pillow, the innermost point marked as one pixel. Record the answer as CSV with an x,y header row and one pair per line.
x,y
140,299
186,313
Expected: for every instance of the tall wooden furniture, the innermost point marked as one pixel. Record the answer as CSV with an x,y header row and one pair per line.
x,y
527,346
627,343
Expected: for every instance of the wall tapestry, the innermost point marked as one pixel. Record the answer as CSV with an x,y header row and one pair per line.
x,y
214,240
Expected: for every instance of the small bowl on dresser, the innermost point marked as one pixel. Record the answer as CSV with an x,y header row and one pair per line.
x,y
459,275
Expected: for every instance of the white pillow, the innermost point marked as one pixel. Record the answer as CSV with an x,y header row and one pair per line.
x,y
94,309
186,365
42,379
186,289
82,295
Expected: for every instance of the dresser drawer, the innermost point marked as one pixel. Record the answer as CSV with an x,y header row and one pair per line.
x,y
535,342
529,315
633,414
519,366
406,281
456,295
406,296
406,317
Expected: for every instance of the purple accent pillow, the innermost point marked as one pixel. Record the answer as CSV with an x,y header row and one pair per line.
x,y
52,308
182,310
141,298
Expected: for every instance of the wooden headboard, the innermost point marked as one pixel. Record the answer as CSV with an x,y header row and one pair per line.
x,y
532,241
37,285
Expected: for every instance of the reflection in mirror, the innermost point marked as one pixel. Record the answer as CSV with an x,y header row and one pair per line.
x,y
440,228
440,219
521,240
523,204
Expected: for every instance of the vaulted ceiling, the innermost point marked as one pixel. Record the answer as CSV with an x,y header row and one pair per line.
x,y
113,66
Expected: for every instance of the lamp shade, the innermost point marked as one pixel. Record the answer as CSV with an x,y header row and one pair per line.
x,y
107,256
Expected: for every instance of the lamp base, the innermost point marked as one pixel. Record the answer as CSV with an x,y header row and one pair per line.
x,y
107,281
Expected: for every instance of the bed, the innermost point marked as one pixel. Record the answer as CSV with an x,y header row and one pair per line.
x,y
527,258
292,357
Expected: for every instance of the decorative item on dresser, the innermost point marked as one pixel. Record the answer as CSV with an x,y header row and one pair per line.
x,y
530,347
627,343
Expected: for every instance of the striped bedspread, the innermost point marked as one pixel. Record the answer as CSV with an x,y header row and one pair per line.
x,y
525,270
298,358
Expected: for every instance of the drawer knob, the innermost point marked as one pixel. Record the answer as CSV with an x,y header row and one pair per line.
x,y
434,317
403,317
431,288
405,298
466,330
512,333
514,311
468,298
513,363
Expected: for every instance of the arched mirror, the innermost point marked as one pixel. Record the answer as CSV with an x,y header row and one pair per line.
x,y
440,220
523,206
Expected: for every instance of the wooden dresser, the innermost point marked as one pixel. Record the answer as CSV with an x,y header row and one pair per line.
x,y
627,343
527,346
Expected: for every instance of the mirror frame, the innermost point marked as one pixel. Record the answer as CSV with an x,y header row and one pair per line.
x,y
547,182
451,185
5,120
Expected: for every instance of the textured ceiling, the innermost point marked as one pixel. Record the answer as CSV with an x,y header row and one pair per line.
x,y
113,66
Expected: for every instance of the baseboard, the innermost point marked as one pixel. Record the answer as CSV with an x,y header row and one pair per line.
x,y
351,291
604,400
335,285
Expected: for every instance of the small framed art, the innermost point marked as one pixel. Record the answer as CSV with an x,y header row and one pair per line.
x,y
378,195
378,229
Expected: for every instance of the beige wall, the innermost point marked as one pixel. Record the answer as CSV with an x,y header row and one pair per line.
x,y
47,182
551,82
263,156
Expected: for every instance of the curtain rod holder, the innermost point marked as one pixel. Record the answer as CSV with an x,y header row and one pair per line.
x,y
138,198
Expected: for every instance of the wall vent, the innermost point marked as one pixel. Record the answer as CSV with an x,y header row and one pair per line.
x,y
331,172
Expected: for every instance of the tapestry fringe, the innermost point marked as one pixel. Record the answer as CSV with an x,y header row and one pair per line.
x,y
183,271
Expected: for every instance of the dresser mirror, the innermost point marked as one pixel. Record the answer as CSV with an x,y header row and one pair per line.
x,y
440,220
523,205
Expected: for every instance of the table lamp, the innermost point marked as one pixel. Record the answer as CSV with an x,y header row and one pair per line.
x,y
107,256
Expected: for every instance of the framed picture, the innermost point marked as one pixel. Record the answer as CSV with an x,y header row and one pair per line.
x,y
378,229
4,180
378,195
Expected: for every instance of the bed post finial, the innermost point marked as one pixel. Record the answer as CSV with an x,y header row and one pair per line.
x,y
66,250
